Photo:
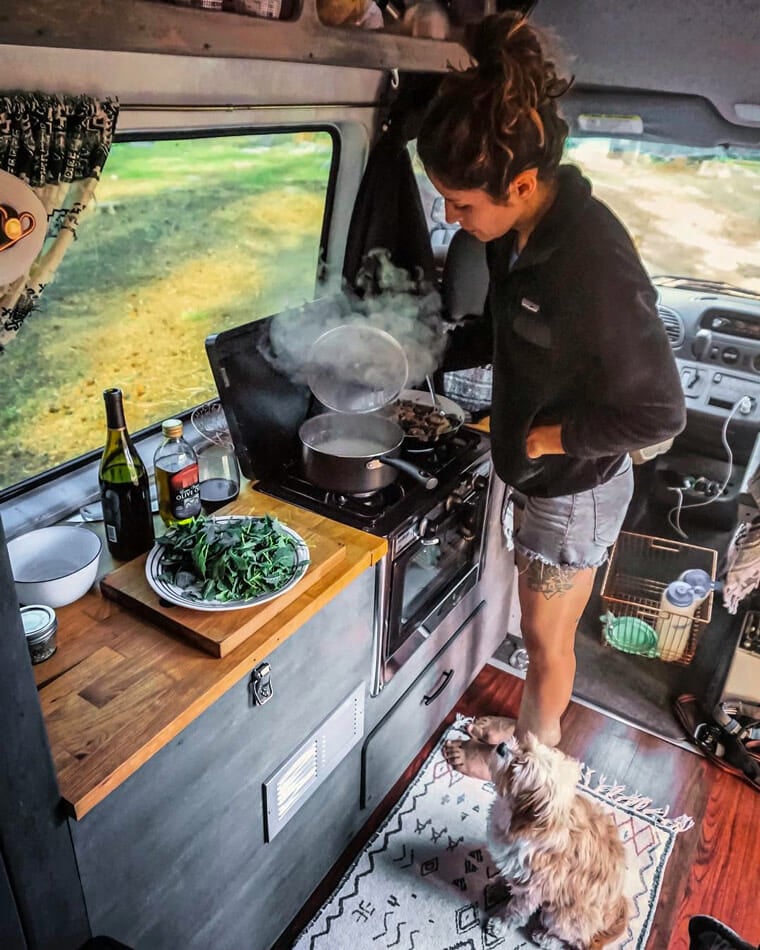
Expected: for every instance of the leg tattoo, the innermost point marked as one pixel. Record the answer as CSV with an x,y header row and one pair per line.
x,y
548,579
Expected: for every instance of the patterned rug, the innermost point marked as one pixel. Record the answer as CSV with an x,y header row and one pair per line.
x,y
425,880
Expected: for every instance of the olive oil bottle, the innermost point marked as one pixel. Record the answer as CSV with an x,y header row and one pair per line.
x,y
124,487
175,467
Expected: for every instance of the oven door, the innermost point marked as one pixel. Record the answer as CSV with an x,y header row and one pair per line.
x,y
429,578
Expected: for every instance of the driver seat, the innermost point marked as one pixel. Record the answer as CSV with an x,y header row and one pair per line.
x,y
464,286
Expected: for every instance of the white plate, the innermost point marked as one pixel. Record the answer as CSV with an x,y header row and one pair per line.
x,y
173,594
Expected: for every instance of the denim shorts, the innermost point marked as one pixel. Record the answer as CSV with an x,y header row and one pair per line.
x,y
576,531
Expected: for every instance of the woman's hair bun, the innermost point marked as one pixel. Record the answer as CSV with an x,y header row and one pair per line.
x,y
508,50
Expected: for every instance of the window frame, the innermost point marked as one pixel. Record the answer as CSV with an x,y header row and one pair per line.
x,y
80,462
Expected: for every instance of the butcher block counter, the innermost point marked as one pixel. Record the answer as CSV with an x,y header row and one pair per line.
x,y
121,686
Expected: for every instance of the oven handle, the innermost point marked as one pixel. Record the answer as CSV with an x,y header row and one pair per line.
x,y
427,700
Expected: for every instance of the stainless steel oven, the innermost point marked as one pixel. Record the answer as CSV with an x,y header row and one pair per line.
x,y
434,559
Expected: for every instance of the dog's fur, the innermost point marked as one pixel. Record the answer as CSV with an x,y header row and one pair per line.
x,y
556,849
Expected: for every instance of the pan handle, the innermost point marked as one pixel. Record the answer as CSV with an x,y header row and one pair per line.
x,y
424,478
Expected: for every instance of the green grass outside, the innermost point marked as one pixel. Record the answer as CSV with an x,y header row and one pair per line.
x,y
184,239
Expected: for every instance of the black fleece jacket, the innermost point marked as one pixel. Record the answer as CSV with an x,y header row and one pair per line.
x,y
574,336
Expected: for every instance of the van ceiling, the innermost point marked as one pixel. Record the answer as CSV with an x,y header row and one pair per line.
x,y
696,48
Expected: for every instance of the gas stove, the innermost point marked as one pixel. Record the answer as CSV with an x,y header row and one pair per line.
x,y
383,511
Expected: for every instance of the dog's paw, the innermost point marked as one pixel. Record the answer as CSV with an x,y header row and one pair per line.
x,y
546,941
516,919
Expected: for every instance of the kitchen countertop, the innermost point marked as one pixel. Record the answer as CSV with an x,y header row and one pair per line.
x,y
119,688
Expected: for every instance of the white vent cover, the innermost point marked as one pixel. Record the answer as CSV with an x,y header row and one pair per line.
x,y
300,776
673,325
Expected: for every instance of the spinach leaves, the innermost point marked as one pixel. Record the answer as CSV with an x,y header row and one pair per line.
x,y
229,559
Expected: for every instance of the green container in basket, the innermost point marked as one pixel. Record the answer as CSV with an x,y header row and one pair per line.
x,y
629,635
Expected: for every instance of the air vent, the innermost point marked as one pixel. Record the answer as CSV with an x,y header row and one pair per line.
x,y
300,776
673,325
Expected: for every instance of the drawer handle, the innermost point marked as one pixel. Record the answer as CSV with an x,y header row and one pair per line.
x,y
427,700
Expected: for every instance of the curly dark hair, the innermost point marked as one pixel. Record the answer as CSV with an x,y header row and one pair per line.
x,y
499,117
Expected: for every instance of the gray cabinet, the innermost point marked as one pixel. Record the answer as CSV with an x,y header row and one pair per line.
x,y
397,738
177,856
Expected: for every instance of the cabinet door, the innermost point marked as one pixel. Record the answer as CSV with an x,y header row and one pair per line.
x,y
176,856
397,738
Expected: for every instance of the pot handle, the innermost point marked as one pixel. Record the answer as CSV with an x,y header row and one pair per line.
x,y
424,478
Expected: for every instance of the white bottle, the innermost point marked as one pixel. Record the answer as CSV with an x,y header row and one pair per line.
x,y
674,623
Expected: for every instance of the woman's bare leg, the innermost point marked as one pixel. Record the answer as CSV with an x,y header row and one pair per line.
x,y
552,600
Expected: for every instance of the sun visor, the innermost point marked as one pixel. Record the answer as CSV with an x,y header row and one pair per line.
x,y
652,116
23,226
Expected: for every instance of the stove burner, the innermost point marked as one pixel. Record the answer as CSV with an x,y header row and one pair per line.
x,y
373,502
381,511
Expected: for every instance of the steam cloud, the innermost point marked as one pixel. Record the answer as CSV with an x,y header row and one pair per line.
x,y
408,310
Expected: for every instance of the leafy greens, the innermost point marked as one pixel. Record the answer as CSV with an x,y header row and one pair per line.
x,y
229,559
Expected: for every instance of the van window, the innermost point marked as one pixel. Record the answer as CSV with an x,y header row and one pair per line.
x,y
187,236
692,212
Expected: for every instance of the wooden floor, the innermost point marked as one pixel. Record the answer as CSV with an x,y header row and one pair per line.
x,y
714,868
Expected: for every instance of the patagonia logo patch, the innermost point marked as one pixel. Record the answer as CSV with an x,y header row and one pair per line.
x,y
529,305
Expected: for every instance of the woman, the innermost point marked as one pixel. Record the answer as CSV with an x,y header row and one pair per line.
x,y
583,372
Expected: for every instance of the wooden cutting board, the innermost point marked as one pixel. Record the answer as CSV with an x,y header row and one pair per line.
x,y
218,632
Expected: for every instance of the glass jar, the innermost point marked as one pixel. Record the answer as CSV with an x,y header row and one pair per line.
x,y
40,626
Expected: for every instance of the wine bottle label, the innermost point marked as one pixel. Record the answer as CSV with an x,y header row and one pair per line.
x,y
185,493
271,9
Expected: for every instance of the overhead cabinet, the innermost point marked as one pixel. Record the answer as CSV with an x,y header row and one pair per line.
x,y
153,27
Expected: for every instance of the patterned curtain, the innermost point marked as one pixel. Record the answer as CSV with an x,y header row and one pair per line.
x,y
58,146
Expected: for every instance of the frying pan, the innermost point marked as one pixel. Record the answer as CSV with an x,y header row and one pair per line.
x,y
454,413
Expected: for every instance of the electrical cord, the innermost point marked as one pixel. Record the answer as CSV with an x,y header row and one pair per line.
x,y
743,405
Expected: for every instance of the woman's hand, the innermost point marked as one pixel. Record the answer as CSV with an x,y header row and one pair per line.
x,y
544,440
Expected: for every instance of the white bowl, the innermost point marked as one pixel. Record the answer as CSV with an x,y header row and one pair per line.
x,y
54,566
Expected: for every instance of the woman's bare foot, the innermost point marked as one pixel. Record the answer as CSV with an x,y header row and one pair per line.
x,y
491,729
469,757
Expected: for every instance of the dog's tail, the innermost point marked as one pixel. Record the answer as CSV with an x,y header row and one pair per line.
x,y
616,927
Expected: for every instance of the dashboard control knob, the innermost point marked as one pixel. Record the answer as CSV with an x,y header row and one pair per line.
x,y
730,355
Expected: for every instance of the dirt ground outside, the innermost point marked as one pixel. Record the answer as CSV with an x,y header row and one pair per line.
x,y
687,217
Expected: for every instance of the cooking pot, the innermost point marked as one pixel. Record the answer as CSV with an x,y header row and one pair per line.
x,y
354,454
454,415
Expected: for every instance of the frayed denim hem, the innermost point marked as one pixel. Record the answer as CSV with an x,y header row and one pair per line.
x,y
535,556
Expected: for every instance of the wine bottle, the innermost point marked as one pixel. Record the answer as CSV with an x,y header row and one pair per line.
x,y
124,487
175,466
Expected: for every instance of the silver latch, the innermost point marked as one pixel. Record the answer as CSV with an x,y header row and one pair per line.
x,y
261,684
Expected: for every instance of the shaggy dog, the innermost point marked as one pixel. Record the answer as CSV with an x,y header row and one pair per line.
x,y
558,851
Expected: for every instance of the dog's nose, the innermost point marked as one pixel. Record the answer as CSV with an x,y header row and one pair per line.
x,y
501,750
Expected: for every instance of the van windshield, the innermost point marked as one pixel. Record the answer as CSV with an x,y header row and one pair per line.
x,y
692,212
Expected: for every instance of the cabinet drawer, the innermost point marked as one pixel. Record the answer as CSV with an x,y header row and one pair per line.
x,y
400,735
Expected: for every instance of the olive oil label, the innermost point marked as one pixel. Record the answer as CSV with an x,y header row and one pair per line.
x,y
185,493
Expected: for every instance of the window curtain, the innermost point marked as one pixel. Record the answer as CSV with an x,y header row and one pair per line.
x,y
56,144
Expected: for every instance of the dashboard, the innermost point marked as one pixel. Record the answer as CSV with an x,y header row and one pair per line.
x,y
715,335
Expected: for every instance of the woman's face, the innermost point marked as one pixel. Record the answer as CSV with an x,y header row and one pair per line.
x,y
478,213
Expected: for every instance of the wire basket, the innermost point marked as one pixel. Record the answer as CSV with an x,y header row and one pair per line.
x,y
639,570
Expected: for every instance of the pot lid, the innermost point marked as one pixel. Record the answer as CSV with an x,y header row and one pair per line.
x,y
356,368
